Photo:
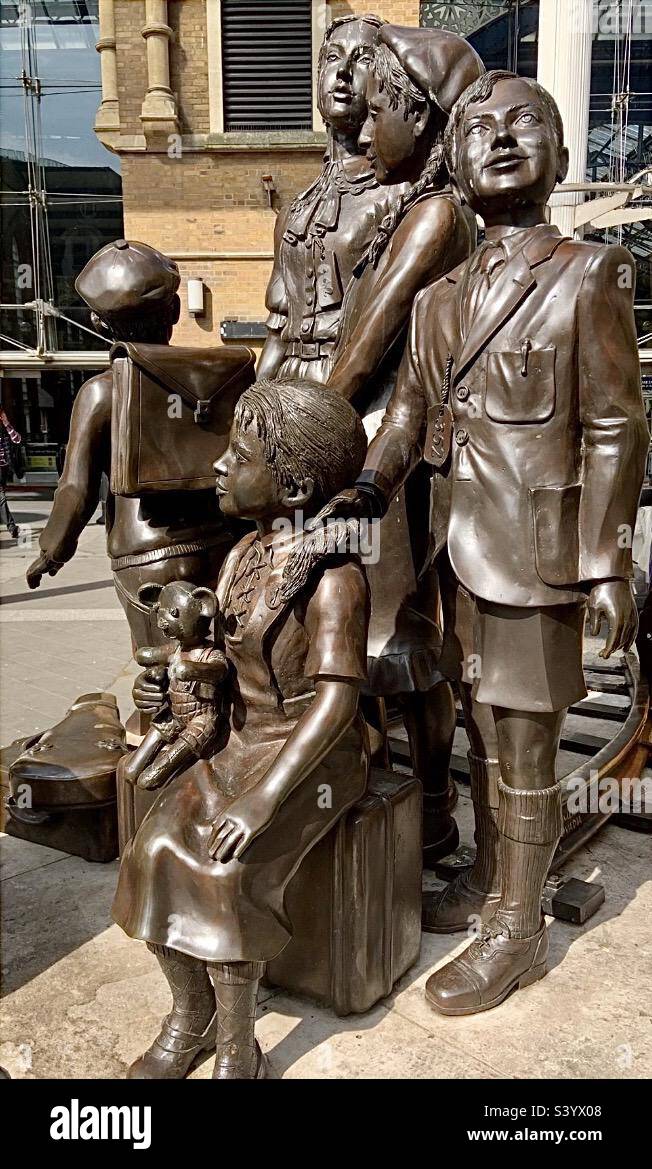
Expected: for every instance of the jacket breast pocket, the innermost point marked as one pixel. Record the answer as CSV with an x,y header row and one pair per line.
x,y
521,385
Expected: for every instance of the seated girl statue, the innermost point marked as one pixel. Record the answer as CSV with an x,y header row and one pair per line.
x,y
203,879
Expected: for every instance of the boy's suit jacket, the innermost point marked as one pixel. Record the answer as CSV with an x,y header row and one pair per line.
x,y
540,493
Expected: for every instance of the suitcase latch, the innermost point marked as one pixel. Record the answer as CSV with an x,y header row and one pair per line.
x,y
202,411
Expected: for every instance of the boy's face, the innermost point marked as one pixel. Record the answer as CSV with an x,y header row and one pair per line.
x,y
388,137
507,153
245,484
343,76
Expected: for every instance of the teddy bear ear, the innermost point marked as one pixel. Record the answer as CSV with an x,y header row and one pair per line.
x,y
207,599
149,594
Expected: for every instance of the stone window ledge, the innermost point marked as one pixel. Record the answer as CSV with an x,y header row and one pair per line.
x,y
267,140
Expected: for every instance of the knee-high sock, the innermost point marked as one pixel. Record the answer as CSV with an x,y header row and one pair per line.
x,y
192,993
236,991
485,775
530,825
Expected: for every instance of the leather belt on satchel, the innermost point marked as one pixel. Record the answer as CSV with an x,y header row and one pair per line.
x,y
310,350
190,548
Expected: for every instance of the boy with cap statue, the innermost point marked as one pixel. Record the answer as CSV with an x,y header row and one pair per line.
x,y
521,385
132,291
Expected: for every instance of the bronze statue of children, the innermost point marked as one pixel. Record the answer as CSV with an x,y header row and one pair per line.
x,y
203,879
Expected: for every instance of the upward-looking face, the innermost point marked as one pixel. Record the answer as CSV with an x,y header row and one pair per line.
x,y
507,152
389,136
342,82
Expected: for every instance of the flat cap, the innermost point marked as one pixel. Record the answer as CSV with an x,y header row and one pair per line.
x,y
440,63
127,275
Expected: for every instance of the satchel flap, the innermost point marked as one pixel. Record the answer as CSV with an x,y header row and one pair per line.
x,y
197,375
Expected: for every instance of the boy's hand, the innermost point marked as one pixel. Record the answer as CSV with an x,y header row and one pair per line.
x,y
244,820
350,504
39,567
614,603
150,689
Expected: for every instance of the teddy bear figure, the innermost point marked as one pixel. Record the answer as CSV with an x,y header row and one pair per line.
x,y
184,727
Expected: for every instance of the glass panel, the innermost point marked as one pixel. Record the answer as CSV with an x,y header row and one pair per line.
x,y
50,91
620,136
504,32
39,404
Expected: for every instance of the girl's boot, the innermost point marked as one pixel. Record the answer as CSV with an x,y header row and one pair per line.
x,y
238,1056
189,1029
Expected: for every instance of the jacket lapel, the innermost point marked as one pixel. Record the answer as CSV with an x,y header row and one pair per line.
x,y
511,288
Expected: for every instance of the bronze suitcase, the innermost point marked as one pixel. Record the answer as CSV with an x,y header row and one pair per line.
x,y
60,786
355,902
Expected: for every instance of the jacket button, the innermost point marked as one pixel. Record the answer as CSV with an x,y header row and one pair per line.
x,y
461,437
463,392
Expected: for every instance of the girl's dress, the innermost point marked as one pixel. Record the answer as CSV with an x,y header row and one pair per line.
x,y
170,891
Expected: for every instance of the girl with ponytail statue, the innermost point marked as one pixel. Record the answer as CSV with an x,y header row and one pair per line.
x,y
203,880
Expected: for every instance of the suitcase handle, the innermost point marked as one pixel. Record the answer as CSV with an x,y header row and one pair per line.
x,y
25,815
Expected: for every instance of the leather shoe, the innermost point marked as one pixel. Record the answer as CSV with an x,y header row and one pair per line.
x,y
236,1063
456,907
172,1053
488,971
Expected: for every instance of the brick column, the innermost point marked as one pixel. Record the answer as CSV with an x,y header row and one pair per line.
x,y
107,119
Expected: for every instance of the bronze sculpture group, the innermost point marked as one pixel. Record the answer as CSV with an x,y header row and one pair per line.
x,y
499,389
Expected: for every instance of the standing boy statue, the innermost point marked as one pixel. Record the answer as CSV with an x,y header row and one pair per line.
x,y
131,289
521,384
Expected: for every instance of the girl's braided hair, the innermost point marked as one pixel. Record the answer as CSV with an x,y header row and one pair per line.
x,y
400,89
307,431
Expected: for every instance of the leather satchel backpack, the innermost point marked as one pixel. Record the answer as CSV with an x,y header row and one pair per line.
x,y
171,414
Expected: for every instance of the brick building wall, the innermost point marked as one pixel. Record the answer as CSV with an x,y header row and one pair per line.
x,y
189,64
131,62
199,196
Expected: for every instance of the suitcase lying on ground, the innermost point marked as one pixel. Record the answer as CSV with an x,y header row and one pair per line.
x,y
62,783
359,928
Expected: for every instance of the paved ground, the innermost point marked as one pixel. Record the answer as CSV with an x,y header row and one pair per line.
x,y
81,999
